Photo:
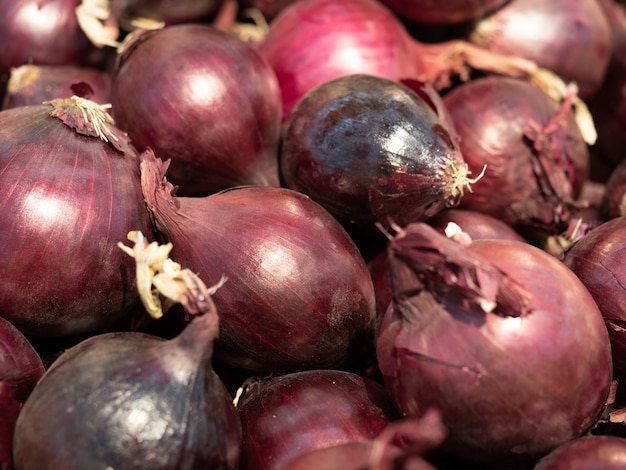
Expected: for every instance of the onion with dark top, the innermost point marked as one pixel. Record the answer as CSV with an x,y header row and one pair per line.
x,y
499,336
191,93
285,416
450,12
299,294
370,150
71,189
132,400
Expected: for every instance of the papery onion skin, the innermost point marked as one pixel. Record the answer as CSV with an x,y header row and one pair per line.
x,y
599,261
530,375
41,33
67,200
21,368
547,33
167,11
128,400
451,12
299,295
477,225
370,150
353,36
192,92
533,173
588,452
285,416
33,84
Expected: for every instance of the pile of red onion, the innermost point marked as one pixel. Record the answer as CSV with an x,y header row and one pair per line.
x,y
292,235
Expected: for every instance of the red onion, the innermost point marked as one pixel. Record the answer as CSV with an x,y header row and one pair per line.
x,y
36,32
287,415
34,84
299,294
364,36
599,261
370,149
20,370
192,92
133,400
536,157
547,33
71,189
499,336
588,452
477,225
614,200
456,11
403,444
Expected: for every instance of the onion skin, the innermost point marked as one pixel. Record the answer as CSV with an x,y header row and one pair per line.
x,y
599,260
477,225
190,92
369,149
585,453
299,295
547,33
123,400
536,158
285,416
68,199
34,84
352,24
451,12
531,374
21,368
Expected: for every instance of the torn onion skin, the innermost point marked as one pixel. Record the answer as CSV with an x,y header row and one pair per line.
x,y
478,331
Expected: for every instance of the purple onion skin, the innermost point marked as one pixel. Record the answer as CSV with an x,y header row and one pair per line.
x,y
41,33
369,149
34,84
513,384
123,400
477,225
599,261
614,201
593,452
204,99
168,11
298,296
68,199
547,33
496,119
20,369
451,12
286,416
352,36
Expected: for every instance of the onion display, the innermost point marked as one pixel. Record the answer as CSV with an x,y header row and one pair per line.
x,y
588,452
71,189
132,400
547,33
34,84
288,415
370,150
599,261
20,369
190,92
457,11
499,336
299,294
537,160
